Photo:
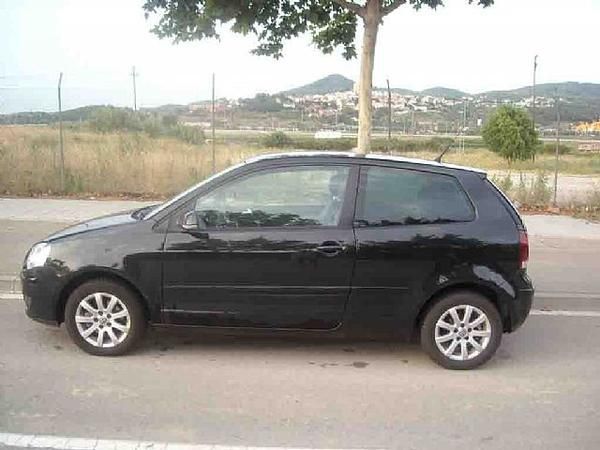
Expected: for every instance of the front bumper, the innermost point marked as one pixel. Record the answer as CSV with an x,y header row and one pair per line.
x,y
40,294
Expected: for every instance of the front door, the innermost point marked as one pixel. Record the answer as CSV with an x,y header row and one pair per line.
x,y
270,249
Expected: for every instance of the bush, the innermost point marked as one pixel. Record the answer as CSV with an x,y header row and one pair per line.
x,y
535,193
189,134
278,139
407,146
505,183
549,148
110,119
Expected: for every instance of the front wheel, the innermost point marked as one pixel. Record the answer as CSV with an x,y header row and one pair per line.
x,y
104,318
462,330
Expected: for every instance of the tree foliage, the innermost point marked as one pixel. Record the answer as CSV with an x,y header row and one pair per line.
x,y
331,23
510,133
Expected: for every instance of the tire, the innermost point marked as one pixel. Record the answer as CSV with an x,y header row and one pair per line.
x,y
439,321
119,323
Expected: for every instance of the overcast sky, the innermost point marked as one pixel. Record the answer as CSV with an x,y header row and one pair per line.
x,y
95,43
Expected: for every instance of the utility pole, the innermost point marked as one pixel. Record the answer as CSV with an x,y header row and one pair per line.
x,y
389,114
557,150
60,133
214,164
464,125
535,64
134,74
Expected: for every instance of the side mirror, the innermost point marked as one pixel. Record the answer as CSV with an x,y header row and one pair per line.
x,y
193,224
192,221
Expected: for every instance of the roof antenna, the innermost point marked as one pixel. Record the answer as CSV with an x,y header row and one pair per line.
x,y
449,146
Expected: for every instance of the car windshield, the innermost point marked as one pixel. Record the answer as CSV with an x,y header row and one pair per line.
x,y
165,205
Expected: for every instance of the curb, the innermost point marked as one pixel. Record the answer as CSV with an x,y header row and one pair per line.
x,y
10,284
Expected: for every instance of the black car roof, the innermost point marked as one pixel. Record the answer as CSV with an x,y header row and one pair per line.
x,y
370,156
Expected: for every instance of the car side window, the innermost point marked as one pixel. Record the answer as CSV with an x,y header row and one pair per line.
x,y
407,197
298,196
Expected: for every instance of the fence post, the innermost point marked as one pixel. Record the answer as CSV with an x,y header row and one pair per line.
x,y
60,132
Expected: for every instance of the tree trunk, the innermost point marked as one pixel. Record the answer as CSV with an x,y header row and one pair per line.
x,y
371,21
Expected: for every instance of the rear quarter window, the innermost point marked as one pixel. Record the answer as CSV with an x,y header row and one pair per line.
x,y
390,196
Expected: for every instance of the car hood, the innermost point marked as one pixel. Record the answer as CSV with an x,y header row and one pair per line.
x,y
112,220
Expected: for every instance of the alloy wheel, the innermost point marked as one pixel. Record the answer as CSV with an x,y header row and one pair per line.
x,y
102,320
463,332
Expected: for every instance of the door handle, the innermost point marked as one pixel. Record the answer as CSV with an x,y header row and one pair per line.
x,y
330,248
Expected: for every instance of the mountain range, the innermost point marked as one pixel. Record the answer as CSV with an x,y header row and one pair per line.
x,y
579,102
568,90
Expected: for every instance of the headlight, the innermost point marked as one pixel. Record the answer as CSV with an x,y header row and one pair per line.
x,y
38,255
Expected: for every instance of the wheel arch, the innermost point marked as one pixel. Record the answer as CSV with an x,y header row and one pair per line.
x,y
481,289
84,276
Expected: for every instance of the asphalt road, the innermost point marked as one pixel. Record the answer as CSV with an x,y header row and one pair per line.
x,y
540,391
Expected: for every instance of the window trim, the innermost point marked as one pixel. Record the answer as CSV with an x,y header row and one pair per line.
x,y
346,215
361,190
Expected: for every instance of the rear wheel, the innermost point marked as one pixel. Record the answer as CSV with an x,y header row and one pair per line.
x,y
104,318
462,330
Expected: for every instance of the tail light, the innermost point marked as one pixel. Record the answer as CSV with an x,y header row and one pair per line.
x,y
523,249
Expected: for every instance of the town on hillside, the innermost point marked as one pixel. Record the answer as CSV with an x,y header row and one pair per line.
x,y
332,103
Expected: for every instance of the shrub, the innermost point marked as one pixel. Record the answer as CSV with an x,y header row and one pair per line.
x,y
533,193
505,183
109,119
549,148
277,139
189,134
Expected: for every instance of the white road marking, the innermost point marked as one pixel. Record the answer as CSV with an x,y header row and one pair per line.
x,y
562,312
72,443
569,295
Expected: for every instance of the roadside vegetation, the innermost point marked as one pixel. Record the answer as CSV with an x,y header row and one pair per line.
x,y
116,155
105,164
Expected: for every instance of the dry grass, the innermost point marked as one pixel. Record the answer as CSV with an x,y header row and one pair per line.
x,y
575,164
134,164
105,164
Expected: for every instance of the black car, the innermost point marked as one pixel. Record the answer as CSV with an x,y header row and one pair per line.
x,y
330,243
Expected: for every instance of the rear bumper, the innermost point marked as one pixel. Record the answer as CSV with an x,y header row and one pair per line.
x,y
520,306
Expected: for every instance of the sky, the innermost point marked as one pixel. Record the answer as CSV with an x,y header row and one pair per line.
x,y
95,43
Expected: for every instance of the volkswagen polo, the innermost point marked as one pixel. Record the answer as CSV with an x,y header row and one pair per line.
x,y
322,243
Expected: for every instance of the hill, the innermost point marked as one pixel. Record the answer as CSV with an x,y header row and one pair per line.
x,y
327,85
439,91
569,90
38,117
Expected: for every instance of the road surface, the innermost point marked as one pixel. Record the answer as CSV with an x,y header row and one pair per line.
x,y
541,391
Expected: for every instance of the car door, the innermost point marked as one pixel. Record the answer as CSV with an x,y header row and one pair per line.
x,y
411,226
273,248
